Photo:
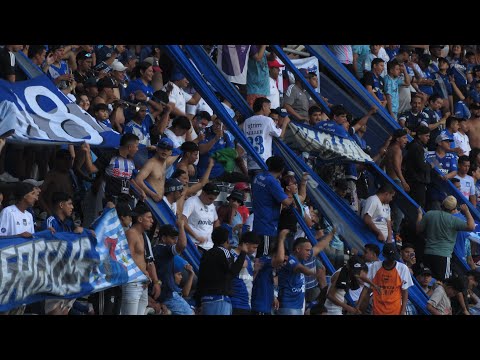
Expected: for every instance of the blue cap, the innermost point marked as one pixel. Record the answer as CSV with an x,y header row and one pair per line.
x,y
177,75
173,184
165,143
178,263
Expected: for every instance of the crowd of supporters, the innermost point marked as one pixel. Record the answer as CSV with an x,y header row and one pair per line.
x,y
255,257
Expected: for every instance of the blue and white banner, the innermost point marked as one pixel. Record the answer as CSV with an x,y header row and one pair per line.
x,y
65,265
41,114
327,146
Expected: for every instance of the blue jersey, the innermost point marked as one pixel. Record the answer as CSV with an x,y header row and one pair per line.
x,y
164,263
141,130
433,117
240,285
332,127
267,196
138,84
291,285
412,121
462,111
262,291
459,72
60,226
445,164
427,89
442,86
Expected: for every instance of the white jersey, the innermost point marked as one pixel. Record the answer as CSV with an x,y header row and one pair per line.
x,y
172,207
200,219
467,185
15,222
380,213
274,96
259,130
178,97
177,140
463,142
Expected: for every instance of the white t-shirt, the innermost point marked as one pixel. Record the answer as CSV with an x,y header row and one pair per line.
x,y
467,185
379,212
200,218
274,96
177,140
173,206
201,106
462,141
259,130
178,97
14,222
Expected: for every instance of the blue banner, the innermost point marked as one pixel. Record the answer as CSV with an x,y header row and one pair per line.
x,y
328,146
65,265
41,114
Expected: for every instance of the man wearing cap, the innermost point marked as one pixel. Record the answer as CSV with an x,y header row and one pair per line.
x,y
440,227
177,95
423,275
172,242
118,75
201,217
274,69
392,280
84,68
173,193
446,162
417,170
153,171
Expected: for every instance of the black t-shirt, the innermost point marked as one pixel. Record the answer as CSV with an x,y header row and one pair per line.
x,y
7,63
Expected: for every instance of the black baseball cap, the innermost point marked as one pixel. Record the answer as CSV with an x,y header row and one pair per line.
x,y
211,188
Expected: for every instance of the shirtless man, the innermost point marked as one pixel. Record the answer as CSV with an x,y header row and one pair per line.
x,y
190,155
135,294
474,125
155,168
393,168
393,157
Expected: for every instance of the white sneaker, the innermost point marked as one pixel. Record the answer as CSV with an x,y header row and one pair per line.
x,y
6,177
33,182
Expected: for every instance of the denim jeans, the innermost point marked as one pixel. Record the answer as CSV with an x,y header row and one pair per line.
x,y
396,214
287,311
134,299
221,306
177,305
